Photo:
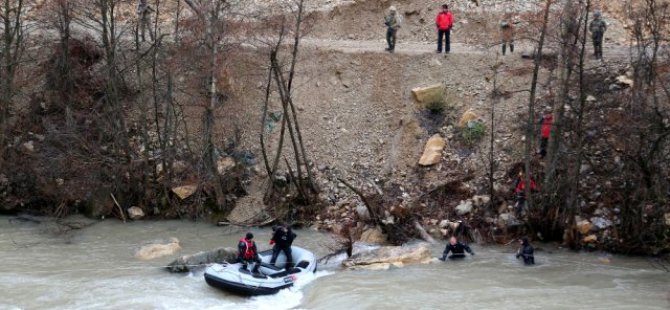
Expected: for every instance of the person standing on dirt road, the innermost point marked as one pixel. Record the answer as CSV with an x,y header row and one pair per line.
x,y
144,11
507,34
444,21
598,27
392,22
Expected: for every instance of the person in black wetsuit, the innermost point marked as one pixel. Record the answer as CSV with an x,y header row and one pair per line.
x,y
456,248
282,238
248,253
526,252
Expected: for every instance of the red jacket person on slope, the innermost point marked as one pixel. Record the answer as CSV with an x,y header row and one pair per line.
x,y
444,21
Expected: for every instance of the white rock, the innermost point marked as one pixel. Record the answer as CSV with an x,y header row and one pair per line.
x,y
600,222
28,147
444,223
464,207
135,213
481,200
363,213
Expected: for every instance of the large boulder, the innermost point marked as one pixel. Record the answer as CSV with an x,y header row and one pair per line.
x,y
135,213
432,153
387,256
373,236
184,191
481,200
428,94
152,251
201,259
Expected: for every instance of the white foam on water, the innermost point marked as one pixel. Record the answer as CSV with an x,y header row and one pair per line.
x,y
286,299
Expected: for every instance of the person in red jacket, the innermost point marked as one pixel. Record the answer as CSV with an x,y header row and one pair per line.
x,y
520,192
444,21
546,122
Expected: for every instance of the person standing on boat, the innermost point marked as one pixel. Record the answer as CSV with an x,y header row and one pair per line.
x,y
526,251
282,239
248,253
457,249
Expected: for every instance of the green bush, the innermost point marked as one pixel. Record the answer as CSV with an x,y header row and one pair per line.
x,y
473,132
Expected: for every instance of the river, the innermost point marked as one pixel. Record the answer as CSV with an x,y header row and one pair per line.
x,y
43,267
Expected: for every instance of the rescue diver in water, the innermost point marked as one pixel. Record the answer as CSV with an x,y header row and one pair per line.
x,y
526,251
457,250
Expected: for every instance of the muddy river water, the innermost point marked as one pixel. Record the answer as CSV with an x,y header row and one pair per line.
x,y
43,267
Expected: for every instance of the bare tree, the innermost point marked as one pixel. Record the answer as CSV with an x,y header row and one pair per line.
x,y
12,49
530,128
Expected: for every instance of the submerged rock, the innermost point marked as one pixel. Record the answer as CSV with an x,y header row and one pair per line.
x,y
201,259
152,251
387,256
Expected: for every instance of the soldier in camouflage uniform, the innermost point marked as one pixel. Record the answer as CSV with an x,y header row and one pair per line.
x,y
392,22
598,27
507,34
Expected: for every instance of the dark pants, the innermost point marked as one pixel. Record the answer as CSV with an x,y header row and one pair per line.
x,y
520,203
447,45
245,262
504,47
390,38
145,25
543,147
287,251
528,259
598,44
